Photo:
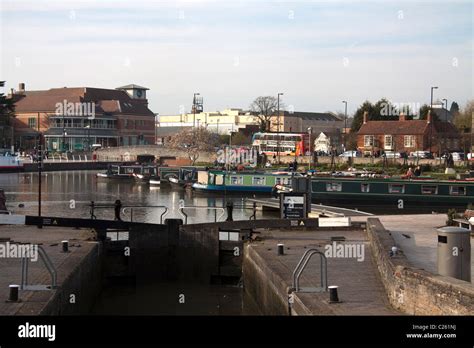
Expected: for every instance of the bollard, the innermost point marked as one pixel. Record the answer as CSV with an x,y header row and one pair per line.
x,y
118,208
333,298
281,248
13,297
65,244
230,208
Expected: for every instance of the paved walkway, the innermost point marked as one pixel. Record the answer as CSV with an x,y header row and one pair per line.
x,y
50,239
422,245
360,289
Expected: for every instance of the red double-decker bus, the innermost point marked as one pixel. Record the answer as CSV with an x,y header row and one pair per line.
x,y
286,144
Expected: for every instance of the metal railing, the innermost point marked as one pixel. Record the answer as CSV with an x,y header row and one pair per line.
x,y
302,265
49,266
119,207
130,207
245,206
185,216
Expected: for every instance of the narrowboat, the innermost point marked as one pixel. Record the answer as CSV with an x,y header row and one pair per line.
x,y
400,193
138,173
243,182
10,163
185,177
184,173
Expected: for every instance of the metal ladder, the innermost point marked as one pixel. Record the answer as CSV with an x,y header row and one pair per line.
x,y
302,265
48,264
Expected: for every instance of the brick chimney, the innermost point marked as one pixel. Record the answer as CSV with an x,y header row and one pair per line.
x,y
366,116
402,117
429,117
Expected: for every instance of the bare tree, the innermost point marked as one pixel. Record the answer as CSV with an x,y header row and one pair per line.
x,y
264,108
194,141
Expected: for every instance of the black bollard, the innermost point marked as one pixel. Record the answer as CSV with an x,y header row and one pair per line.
x,y
230,208
281,249
118,208
13,297
333,298
65,245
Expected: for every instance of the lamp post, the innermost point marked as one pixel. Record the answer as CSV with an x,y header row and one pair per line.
x,y
194,109
278,128
157,115
445,124
431,110
88,127
345,124
217,127
309,148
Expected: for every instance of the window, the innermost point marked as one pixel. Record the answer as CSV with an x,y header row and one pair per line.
x,y
396,188
388,141
282,181
457,190
258,180
236,180
333,187
409,141
429,189
368,140
32,122
229,236
364,187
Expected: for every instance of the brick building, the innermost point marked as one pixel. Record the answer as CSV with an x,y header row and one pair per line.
x,y
73,119
405,135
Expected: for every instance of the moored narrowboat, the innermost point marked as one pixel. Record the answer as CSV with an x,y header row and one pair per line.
x,y
243,182
138,173
397,192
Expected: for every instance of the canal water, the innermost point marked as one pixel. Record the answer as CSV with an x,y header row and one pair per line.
x,y
68,194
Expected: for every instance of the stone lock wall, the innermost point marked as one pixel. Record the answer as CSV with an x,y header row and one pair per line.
x,y
416,291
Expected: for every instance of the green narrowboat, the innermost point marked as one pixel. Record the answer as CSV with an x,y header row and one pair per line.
x,y
397,192
244,181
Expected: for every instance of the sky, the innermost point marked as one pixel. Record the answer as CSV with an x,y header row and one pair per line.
x,y
318,53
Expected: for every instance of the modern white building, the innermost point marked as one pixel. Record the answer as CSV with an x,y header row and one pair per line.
x,y
216,121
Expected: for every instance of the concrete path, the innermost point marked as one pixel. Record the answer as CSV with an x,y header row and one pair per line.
x,y
421,246
32,302
360,289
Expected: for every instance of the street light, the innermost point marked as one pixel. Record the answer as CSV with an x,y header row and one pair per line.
x,y
431,110
345,124
445,123
309,147
88,127
194,109
278,129
157,115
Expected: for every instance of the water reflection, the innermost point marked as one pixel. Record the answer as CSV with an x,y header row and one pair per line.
x,y
59,188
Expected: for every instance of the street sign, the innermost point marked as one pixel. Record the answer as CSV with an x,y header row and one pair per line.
x,y
293,206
